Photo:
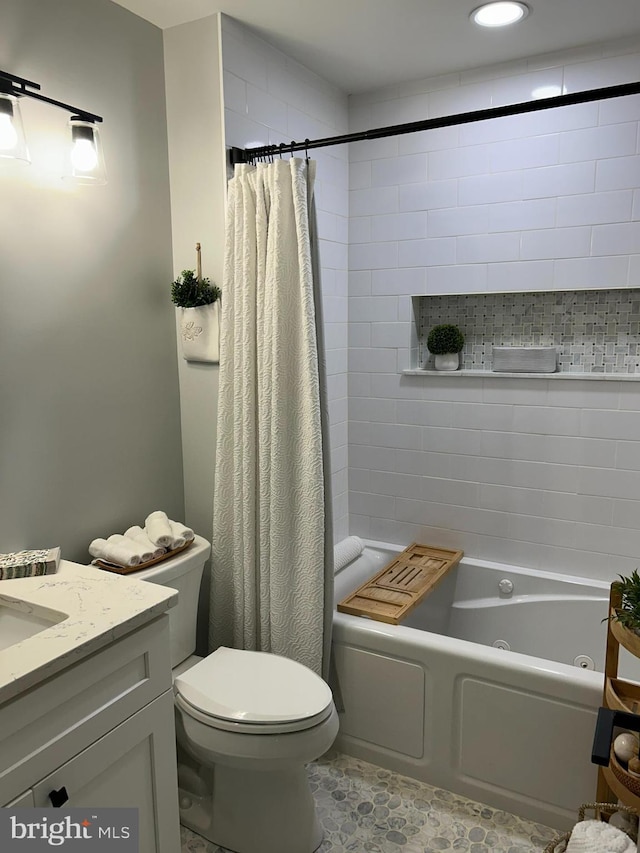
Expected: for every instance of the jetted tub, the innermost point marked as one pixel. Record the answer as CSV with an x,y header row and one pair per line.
x,y
486,689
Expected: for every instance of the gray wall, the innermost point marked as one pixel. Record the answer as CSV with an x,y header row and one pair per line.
x,y
89,412
197,173
198,188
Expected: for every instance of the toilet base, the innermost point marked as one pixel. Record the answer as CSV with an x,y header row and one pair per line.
x,y
270,811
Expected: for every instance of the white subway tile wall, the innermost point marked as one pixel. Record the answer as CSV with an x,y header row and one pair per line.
x,y
270,98
537,472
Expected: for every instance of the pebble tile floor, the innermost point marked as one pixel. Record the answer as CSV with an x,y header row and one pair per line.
x,y
364,809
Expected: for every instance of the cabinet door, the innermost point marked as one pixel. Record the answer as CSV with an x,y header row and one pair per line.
x,y
46,725
134,765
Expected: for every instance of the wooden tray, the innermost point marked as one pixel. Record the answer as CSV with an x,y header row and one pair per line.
x,y
402,584
128,570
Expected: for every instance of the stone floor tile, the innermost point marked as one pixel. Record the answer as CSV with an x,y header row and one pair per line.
x,y
366,809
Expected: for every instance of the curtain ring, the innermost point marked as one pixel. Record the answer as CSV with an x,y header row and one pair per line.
x,y
306,150
281,147
293,142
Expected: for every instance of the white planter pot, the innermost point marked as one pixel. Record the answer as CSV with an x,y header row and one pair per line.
x,y
448,361
199,330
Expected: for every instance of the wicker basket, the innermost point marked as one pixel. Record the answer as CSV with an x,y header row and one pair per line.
x,y
632,783
601,811
559,844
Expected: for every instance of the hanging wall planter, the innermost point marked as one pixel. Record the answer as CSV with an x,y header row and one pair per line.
x,y
200,332
198,312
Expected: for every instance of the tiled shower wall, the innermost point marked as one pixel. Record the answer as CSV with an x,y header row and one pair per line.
x,y
270,98
539,472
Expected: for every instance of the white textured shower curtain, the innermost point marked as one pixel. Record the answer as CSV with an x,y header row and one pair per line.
x,y
271,561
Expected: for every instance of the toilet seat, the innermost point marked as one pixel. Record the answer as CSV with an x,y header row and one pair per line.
x,y
253,692
251,728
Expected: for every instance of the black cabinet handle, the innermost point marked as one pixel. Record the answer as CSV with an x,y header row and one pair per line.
x,y
58,798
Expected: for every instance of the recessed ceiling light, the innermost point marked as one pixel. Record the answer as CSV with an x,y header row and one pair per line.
x,y
499,14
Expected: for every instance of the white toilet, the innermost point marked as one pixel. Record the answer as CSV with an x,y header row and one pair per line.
x,y
247,723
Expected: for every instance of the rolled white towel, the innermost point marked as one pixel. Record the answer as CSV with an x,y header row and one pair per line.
x,y
158,529
595,836
137,534
182,530
181,534
143,551
111,552
346,551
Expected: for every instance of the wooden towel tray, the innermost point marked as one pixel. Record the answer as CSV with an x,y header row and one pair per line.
x,y
128,570
402,584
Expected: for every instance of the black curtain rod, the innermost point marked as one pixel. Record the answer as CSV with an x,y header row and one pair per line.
x,y
249,155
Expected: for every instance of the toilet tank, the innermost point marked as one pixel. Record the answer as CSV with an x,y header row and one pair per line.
x,y
184,573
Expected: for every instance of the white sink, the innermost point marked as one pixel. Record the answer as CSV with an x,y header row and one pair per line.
x,y
19,621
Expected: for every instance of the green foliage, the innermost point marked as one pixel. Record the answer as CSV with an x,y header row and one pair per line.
x,y
445,338
188,292
628,613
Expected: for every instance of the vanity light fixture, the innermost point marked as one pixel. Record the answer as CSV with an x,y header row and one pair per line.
x,y
85,159
499,14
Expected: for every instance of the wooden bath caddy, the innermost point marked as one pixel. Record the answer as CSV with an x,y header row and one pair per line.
x,y
614,782
128,570
402,584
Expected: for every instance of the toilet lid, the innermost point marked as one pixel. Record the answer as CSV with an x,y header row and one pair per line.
x,y
253,687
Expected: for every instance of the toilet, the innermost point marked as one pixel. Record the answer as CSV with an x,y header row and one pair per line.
x,y
247,723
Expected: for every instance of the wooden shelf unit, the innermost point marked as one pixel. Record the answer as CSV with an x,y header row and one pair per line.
x,y
619,695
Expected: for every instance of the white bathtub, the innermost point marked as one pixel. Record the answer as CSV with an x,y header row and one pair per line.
x,y
433,699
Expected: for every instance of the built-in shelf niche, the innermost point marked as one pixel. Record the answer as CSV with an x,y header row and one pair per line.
x,y
596,332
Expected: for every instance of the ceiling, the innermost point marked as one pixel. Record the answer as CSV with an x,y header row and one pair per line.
x,y
366,44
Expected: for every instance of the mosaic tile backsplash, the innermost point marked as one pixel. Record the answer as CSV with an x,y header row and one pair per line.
x,y
594,331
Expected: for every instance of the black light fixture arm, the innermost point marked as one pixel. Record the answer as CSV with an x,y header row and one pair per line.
x,y
249,155
21,88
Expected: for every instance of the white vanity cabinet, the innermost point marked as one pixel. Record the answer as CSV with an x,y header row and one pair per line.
x,y
100,733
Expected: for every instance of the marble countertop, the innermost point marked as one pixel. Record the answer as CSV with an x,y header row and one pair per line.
x,y
97,607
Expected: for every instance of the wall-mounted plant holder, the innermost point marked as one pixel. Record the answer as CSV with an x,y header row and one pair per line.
x,y
200,332
197,304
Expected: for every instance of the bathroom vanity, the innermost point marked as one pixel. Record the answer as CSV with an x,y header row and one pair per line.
x,y
86,701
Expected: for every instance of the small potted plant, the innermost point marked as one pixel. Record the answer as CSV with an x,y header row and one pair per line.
x,y
628,611
445,342
197,309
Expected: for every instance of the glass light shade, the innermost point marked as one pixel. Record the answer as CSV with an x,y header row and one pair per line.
x,y
13,145
85,158
500,14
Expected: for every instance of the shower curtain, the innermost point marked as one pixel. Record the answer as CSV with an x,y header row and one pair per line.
x,y
272,554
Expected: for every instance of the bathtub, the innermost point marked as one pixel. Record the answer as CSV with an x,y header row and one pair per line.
x,y
487,689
